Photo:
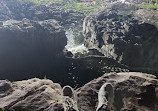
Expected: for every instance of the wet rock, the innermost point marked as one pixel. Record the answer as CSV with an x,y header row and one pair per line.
x,y
67,53
132,91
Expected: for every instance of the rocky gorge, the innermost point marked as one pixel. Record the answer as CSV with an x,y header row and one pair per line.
x,y
32,46
119,41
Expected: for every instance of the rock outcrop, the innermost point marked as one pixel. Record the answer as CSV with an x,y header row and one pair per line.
x,y
125,33
29,43
133,91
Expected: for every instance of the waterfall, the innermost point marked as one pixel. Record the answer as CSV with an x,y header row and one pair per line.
x,y
70,39
75,39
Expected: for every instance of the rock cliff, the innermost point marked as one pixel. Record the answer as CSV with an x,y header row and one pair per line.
x,y
126,33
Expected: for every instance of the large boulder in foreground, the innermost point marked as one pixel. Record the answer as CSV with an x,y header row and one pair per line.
x,y
133,91
125,33
30,95
29,43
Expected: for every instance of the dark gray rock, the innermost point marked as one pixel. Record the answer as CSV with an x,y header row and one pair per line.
x,y
19,9
55,107
53,11
125,33
26,43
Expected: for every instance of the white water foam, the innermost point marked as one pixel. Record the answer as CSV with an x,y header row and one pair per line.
x,y
71,45
80,48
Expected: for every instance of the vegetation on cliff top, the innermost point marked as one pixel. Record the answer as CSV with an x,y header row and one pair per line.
x,y
150,6
71,5
78,7
37,1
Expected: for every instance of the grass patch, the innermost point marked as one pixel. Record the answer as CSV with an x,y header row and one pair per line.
x,y
121,17
3,109
71,5
78,7
124,16
149,6
155,1
37,1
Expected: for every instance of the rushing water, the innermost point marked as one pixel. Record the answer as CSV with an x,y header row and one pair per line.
x,y
70,38
75,40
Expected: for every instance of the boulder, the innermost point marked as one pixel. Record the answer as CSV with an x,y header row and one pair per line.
x,y
125,33
133,91
33,95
